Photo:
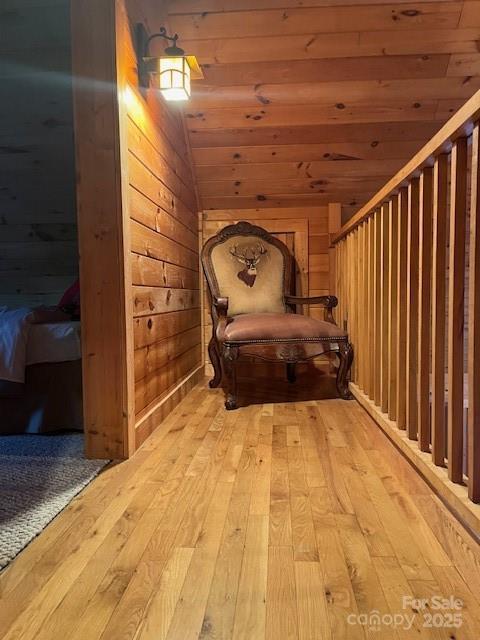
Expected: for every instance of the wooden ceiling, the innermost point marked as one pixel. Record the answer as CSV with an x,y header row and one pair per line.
x,y
306,102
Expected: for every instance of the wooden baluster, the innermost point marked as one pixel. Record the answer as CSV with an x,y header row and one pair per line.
x,y
392,306
371,307
439,309
424,308
346,305
345,285
456,273
360,312
353,297
412,308
336,311
401,307
358,349
340,284
343,280
366,307
342,289
356,284
357,273
378,305
474,326
358,279
385,287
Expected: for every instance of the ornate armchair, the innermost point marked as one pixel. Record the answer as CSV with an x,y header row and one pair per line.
x,y
249,275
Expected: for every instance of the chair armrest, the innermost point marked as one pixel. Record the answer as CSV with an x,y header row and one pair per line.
x,y
329,302
221,309
221,305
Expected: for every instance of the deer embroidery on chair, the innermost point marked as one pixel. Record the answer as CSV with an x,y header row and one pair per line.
x,y
250,257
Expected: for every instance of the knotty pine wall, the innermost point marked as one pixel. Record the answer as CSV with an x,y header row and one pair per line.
x,y
138,235
38,233
163,240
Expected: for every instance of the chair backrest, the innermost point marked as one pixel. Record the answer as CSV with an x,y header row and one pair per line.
x,y
250,267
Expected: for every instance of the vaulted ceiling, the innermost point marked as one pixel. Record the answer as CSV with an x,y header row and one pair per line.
x,y
312,101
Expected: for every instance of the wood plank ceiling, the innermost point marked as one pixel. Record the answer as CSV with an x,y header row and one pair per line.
x,y
306,102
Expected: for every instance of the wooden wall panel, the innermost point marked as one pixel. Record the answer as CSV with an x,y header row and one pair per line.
x,y
104,277
138,221
38,237
163,243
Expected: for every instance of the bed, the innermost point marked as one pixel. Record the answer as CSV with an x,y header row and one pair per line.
x,y
50,398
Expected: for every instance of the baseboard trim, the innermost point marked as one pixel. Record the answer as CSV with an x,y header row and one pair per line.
x,y
155,416
453,496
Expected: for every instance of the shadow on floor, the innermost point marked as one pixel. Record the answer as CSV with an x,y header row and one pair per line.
x,y
311,384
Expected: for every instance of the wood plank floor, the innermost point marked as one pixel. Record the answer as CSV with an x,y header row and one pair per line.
x,y
293,519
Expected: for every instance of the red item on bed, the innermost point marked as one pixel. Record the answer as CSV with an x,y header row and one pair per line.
x,y
70,301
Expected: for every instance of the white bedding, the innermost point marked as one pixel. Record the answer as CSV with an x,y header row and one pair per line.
x,y
23,343
56,342
14,327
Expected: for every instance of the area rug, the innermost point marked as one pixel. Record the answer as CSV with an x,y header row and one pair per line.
x,y
39,476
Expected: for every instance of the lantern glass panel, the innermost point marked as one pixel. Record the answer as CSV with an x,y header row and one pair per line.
x,y
174,78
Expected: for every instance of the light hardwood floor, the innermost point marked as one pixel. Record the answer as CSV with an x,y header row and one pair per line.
x,y
278,520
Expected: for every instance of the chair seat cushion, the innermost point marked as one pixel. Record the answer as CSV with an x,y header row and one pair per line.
x,y
280,327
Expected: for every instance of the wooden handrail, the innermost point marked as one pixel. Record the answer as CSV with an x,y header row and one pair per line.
x,y
460,124
404,262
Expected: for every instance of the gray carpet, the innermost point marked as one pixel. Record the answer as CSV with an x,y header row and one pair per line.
x,y
39,476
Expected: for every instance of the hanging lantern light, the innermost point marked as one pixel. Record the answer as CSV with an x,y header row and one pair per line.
x,y
172,72
174,78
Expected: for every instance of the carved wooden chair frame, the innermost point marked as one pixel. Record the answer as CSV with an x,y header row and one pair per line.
x,y
224,354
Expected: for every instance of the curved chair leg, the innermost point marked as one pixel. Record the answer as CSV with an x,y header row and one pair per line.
x,y
216,363
230,355
345,354
291,375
